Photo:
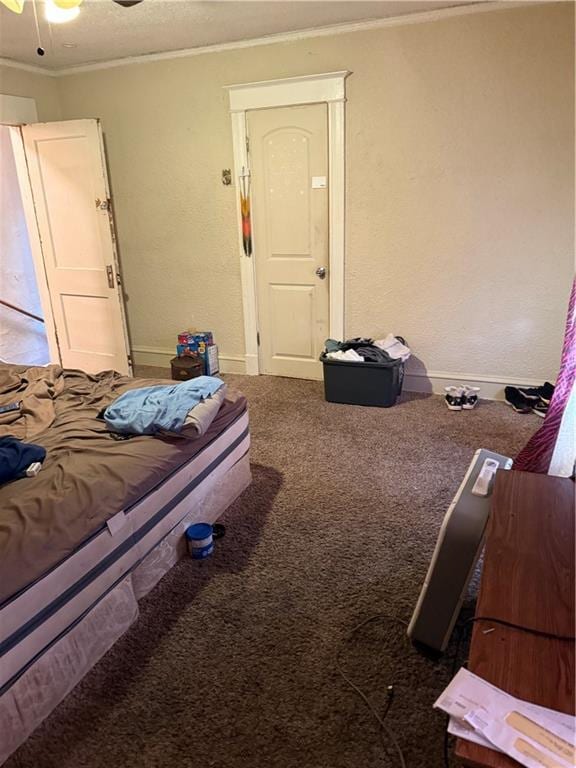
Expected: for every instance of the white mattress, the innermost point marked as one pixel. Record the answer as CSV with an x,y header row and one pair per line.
x,y
42,613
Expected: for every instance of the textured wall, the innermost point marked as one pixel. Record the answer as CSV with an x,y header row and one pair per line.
x,y
42,88
460,137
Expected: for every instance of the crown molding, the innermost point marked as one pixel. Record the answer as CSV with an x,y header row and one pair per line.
x,y
28,67
423,17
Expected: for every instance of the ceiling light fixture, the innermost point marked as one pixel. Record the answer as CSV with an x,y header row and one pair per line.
x,y
66,10
61,11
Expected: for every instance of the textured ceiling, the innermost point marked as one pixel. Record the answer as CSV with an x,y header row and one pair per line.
x,y
105,30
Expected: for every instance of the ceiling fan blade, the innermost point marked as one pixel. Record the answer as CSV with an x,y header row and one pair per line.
x,y
14,5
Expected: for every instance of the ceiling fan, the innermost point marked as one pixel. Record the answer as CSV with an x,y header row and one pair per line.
x,y
18,5
56,11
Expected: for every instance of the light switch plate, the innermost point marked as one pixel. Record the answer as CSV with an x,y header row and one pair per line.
x,y
319,182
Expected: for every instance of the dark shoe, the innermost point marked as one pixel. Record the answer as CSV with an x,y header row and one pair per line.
x,y
540,408
543,393
517,400
546,392
530,393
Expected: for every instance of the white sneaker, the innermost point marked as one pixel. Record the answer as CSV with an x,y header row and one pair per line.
x,y
470,398
454,398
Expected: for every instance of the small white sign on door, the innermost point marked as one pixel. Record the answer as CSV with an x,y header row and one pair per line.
x,y
318,182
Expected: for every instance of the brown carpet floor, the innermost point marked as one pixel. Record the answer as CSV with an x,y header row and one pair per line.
x,y
232,662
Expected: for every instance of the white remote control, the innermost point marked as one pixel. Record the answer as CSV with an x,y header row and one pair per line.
x,y
482,485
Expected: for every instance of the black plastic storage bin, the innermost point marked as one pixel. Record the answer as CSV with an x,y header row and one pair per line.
x,y
376,384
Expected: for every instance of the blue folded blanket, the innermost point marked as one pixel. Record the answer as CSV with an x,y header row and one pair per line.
x,y
16,457
148,410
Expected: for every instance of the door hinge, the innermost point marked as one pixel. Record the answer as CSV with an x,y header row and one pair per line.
x,y
258,338
111,274
103,205
247,145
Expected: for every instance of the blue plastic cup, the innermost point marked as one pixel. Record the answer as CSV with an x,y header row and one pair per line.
x,y
199,540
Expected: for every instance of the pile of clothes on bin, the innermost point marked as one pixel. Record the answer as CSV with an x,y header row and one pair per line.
x,y
385,350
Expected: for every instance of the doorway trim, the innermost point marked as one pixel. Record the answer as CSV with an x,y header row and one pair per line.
x,y
328,88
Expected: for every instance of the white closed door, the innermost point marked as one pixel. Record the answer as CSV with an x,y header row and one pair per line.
x,y
69,186
288,152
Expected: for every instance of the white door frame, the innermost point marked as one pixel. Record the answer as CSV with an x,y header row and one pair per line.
x,y
326,88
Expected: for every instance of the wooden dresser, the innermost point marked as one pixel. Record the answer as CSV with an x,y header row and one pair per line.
x,y
527,579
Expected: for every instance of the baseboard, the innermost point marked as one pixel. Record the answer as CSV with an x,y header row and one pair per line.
x,y
251,366
160,357
491,387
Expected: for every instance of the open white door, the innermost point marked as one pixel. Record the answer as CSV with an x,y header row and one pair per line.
x,y
69,187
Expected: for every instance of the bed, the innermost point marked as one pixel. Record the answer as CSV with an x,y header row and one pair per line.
x,y
93,533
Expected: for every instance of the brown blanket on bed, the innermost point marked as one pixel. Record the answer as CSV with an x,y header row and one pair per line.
x,y
87,475
37,389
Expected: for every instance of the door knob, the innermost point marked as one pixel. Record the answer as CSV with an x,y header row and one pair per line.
x,y
321,272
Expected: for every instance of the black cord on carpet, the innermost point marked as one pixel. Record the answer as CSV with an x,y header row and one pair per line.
x,y
384,729
460,636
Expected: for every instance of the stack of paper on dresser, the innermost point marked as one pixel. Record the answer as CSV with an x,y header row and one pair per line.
x,y
534,736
